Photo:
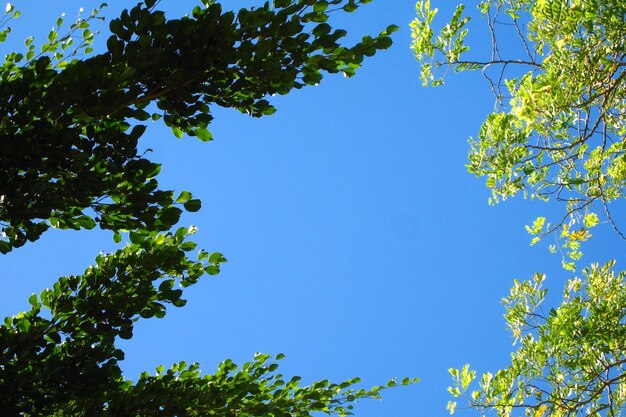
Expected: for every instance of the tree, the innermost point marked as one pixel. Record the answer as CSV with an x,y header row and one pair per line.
x,y
71,122
90,172
557,133
570,361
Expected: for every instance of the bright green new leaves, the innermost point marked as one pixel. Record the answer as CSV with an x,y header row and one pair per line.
x,y
559,133
69,127
559,80
449,43
570,361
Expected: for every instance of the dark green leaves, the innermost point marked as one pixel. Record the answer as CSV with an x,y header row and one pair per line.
x,y
192,205
321,29
90,107
384,42
70,126
88,313
5,247
170,216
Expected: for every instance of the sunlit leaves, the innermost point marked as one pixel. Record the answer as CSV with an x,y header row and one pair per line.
x,y
570,360
558,132
449,43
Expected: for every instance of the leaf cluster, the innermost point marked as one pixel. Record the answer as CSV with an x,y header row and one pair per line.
x,y
69,128
60,357
557,133
570,361
558,129
70,124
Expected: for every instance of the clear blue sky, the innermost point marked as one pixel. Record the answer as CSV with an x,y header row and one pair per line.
x,y
358,244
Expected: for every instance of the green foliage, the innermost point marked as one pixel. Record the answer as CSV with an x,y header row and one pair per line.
x,y
65,362
559,129
63,349
69,127
69,130
558,132
449,43
570,361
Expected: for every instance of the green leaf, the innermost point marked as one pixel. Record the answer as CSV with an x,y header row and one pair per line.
x,y
216,257
171,215
391,29
33,301
320,6
384,42
136,237
179,302
321,29
203,134
166,285
591,220
187,246
23,325
212,270
85,222
269,111
177,132
192,205
5,247
183,197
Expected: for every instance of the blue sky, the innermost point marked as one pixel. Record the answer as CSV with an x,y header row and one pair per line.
x,y
358,244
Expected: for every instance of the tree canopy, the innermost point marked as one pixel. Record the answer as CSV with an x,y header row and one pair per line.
x,y
570,360
70,126
556,68
557,71
71,122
